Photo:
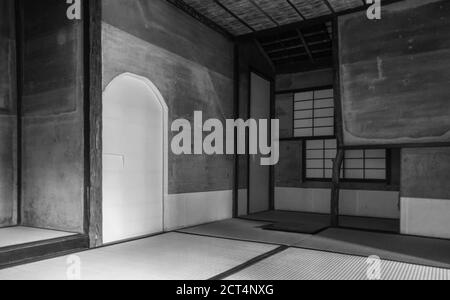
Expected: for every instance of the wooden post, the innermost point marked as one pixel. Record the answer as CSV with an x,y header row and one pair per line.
x,y
93,121
335,188
337,163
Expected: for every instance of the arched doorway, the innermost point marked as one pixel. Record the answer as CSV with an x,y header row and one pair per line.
x,y
135,121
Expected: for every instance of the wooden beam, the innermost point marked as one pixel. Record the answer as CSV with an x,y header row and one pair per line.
x,y
234,15
236,110
298,67
93,122
285,49
327,3
279,41
305,44
337,162
287,56
296,9
199,17
35,251
264,12
264,53
19,82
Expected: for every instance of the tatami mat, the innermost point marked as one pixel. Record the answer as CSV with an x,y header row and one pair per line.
x,y
170,256
248,231
301,264
19,235
408,249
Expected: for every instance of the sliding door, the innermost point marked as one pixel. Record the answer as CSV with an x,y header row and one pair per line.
x,y
259,176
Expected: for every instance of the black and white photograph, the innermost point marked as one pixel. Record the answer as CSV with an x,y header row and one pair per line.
x,y
224,147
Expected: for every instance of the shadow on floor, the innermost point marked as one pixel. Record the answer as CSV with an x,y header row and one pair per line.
x,y
395,247
365,237
287,217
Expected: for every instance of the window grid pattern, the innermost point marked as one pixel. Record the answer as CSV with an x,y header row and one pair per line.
x,y
358,164
314,113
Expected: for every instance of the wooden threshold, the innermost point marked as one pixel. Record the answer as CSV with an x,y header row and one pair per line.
x,y
31,252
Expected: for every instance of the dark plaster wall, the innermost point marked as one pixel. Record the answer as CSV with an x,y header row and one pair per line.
x,y
190,64
425,173
52,112
288,172
395,74
8,116
298,81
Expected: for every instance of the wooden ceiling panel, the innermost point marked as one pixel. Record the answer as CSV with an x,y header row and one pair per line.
x,y
249,13
241,17
217,14
341,5
312,8
280,10
294,49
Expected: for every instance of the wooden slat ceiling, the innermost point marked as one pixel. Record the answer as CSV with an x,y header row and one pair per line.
x,y
300,49
290,48
240,17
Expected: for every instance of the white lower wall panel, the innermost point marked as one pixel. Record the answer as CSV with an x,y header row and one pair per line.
x,y
183,210
304,200
377,204
425,217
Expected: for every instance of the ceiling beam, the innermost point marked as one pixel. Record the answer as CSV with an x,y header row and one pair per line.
x,y
288,56
264,12
327,3
305,66
296,9
234,15
299,47
264,53
200,17
305,44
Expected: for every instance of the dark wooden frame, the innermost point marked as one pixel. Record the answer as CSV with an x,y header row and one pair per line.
x,y
346,180
93,121
236,81
31,252
19,82
337,163
295,91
